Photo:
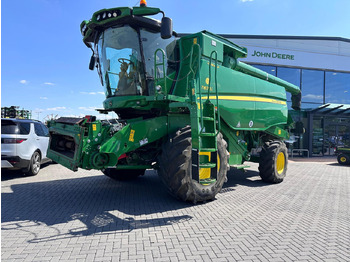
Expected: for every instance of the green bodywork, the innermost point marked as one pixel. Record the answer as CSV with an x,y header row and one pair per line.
x,y
208,89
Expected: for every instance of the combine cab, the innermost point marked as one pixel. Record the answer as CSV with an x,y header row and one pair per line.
x,y
186,107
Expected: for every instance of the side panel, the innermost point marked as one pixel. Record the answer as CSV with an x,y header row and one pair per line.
x,y
245,102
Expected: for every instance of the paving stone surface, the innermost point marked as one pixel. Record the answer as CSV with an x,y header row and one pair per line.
x,y
60,215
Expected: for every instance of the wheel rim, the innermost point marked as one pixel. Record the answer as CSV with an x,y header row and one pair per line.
x,y
343,159
36,163
280,163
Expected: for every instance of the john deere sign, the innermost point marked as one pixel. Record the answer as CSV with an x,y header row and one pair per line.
x,y
273,55
298,53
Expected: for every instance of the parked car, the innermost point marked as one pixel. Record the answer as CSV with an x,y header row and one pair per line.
x,y
24,145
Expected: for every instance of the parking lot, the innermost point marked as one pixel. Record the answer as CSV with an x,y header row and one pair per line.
x,y
60,215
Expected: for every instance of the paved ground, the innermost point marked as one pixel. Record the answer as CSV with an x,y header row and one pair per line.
x,y
60,215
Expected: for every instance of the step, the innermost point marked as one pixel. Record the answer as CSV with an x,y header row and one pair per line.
x,y
207,165
240,166
207,134
207,118
207,150
207,181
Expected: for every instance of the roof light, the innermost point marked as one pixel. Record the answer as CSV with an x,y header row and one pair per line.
x,y
109,15
104,15
98,18
115,14
143,3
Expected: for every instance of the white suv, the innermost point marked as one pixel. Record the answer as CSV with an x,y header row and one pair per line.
x,y
24,145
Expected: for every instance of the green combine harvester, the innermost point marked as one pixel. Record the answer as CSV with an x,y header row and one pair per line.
x,y
186,107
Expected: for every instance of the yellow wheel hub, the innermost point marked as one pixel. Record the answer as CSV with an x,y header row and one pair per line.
x,y
343,159
280,162
204,173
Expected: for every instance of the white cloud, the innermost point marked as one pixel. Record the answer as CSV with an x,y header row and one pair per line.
x,y
43,97
59,108
92,93
311,96
70,115
24,82
90,108
243,1
49,84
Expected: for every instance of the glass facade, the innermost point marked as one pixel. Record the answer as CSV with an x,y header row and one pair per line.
x,y
291,75
318,87
337,88
312,84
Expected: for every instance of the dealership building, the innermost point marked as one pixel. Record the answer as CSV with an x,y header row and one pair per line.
x,y
320,66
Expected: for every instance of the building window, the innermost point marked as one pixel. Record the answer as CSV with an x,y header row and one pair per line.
x,y
312,86
291,75
268,69
337,88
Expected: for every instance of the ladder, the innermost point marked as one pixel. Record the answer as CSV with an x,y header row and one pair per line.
x,y
205,123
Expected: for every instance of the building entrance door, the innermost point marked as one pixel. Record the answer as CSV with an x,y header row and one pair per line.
x,y
337,132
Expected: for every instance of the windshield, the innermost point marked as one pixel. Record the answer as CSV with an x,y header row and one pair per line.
x,y
120,62
121,66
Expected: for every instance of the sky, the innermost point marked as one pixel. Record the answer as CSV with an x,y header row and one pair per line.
x,y
44,63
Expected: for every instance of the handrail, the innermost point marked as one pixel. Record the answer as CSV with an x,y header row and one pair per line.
x,y
199,80
216,86
194,72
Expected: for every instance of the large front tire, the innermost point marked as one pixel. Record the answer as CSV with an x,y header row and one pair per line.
x,y
176,168
123,174
273,162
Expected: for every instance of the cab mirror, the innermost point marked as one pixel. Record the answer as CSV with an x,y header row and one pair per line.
x,y
92,62
166,29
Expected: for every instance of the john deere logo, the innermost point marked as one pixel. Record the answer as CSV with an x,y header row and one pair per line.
x,y
207,80
273,55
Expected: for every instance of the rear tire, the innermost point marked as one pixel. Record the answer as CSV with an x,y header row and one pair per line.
x,y
273,162
175,168
34,165
123,174
343,159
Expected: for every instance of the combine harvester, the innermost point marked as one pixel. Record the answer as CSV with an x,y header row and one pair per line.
x,y
187,107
